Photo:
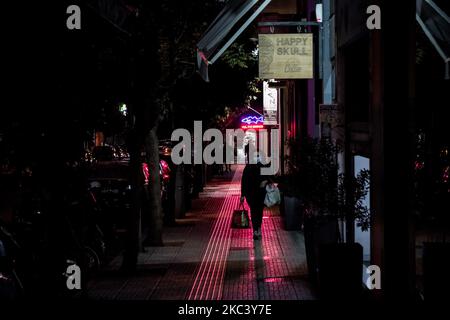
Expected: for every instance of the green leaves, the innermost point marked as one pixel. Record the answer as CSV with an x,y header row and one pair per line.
x,y
313,167
238,56
313,177
353,204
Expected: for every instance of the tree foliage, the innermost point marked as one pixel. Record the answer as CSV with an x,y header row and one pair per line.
x,y
314,178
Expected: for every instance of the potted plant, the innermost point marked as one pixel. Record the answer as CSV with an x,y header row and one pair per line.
x,y
290,206
340,258
311,179
326,198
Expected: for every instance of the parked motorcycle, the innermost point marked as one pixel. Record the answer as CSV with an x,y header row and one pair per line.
x,y
50,230
11,286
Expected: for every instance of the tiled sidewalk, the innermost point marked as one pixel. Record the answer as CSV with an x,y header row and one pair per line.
x,y
204,259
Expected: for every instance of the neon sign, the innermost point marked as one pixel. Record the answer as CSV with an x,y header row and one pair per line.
x,y
253,120
252,126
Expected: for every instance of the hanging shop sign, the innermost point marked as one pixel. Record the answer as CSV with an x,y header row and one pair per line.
x,y
330,119
270,104
286,56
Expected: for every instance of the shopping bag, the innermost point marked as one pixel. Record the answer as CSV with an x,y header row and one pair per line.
x,y
240,218
273,196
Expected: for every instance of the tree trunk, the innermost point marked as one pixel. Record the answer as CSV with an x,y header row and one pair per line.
x,y
154,214
132,241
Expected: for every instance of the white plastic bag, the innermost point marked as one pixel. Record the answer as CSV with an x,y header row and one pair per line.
x,y
272,195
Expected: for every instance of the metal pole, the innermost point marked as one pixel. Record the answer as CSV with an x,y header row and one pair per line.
x,y
255,111
289,23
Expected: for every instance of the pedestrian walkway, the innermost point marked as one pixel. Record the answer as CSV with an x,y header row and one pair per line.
x,y
203,258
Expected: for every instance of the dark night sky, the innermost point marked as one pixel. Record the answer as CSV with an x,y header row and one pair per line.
x,y
46,71
54,83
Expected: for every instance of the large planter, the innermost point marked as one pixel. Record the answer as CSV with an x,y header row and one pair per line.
x,y
317,232
436,264
291,212
174,207
340,271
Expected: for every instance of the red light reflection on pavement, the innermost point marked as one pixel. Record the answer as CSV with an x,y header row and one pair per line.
x,y
273,280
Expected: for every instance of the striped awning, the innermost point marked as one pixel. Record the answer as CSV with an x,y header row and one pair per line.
x,y
435,23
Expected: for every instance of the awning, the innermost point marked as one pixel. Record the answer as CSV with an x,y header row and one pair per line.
x,y
235,17
114,12
435,23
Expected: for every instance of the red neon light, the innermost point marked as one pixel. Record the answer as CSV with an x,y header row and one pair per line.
x,y
202,55
252,126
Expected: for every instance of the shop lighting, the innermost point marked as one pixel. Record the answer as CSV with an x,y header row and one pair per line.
x,y
253,120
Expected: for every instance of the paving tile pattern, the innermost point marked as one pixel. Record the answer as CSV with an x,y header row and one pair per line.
x,y
205,259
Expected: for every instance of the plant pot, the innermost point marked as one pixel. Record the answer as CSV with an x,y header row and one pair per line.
x,y
340,271
317,232
291,212
436,264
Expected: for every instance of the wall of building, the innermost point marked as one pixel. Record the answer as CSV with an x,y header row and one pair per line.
x,y
375,88
282,7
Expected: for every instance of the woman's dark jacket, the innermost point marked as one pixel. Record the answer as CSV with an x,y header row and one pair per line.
x,y
250,185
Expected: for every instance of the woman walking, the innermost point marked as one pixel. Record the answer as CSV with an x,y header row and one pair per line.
x,y
253,189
